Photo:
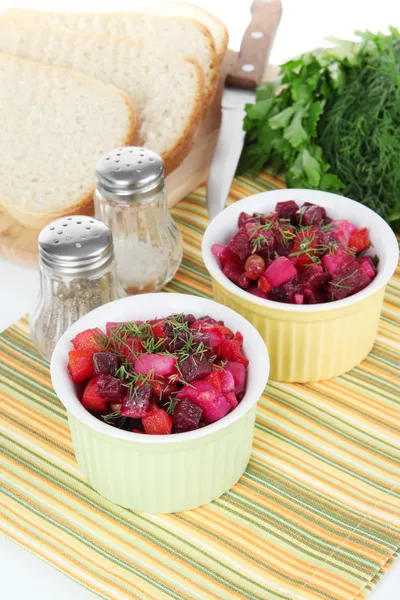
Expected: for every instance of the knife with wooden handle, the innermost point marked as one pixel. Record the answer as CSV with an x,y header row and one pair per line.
x,y
241,83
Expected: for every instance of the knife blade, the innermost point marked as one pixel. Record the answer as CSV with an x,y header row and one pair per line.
x,y
242,81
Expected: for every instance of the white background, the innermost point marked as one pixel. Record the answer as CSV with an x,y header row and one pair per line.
x,y
304,25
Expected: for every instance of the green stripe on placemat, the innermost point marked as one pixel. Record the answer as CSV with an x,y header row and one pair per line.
x,y
315,516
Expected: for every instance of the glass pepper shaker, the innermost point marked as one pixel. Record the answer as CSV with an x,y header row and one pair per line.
x,y
131,199
77,274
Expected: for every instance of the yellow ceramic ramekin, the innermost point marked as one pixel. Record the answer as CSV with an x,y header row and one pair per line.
x,y
308,342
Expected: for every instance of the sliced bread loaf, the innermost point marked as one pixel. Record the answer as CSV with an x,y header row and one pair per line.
x,y
184,9
54,125
180,35
166,88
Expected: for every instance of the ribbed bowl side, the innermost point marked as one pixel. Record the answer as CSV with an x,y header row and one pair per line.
x,y
311,346
163,478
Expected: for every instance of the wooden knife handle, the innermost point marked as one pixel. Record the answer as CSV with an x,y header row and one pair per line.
x,y
256,44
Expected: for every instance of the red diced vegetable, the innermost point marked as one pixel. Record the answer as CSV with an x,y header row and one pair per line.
x,y
159,329
287,209
343,230
137,403
232,350
88,340
264,285
239,373
222,380
347,282
105,363
157,422
240,245
231,399
81,365
366,263
157,364
280,271
113,327
234,272
299,298
187,416
337,261
91,399
194,367
109,388
359,241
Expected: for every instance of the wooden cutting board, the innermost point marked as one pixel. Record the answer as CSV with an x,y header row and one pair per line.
x,y
19,243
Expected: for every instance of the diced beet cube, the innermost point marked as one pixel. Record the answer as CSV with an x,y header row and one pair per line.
x,y
195,367
309,215
91,399
239,373
232,350
231,399
218,250
81,365
367,264
284,236
348,281
213,403
186,417
109,388
235,273
242,220
105,363
88,340
255,291
287,209
240,245
340,259
137,403
315,296
314,277
157,364
284,292
279,271
157,422
343,230
222,380
158,329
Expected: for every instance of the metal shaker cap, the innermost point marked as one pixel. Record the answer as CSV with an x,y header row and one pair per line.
x,y
75,245
129,174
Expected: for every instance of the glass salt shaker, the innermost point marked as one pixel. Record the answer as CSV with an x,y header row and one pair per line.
x,y
77,274
131,199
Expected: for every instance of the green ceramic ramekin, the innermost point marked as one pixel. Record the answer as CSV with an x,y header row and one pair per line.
x,y
162,474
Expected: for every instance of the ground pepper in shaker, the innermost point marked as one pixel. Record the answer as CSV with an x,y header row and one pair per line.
x,y
131,199
77,274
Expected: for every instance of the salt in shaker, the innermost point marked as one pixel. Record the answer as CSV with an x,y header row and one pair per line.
x,y
131,199
77,274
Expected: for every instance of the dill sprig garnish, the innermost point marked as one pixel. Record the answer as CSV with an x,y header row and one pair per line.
x,y
114,419
170,405
339,284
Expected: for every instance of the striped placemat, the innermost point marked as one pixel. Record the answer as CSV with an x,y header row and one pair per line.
x,y
316,515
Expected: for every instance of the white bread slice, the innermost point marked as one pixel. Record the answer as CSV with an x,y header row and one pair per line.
x,y
184,9
54,125
179,35
165,88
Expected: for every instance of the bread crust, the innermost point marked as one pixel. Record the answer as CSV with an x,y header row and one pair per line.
x,y
175,155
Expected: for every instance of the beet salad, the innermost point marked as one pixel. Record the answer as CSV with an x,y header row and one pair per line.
x,y
297,255
158,377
